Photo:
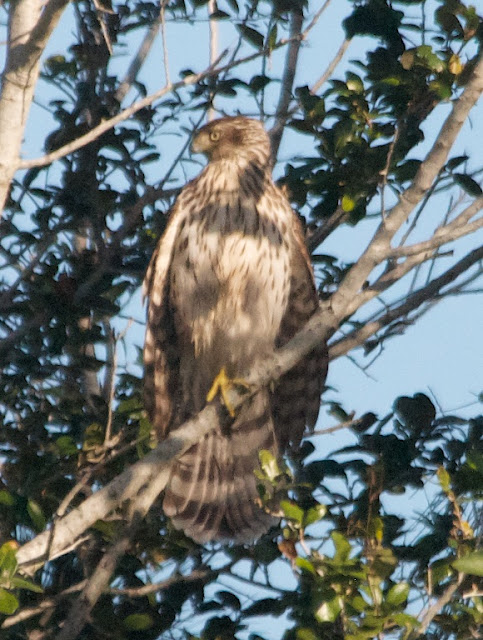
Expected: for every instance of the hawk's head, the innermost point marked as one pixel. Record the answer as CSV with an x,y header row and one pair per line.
x,y
231,137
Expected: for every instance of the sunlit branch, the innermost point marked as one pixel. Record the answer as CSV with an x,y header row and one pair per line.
x,y
379,248
281,113
331,67
427,293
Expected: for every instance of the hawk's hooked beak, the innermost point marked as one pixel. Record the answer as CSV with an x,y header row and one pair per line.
x,y
201,143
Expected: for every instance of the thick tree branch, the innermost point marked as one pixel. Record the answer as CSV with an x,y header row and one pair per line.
x,y
29,29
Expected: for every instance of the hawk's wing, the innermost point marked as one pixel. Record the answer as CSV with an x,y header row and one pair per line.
x,y
296,398
161,357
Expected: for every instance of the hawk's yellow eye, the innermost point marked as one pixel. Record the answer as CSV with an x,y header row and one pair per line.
x,y
214,135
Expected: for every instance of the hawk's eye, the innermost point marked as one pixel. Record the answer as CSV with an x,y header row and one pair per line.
x,y
214,135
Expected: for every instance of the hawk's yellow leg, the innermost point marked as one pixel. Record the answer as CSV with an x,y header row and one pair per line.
x,y
222,385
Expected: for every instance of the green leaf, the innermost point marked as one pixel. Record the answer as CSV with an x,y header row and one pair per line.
x,y
329,610
354,82
6,498
229,599
471,564
455,162
250,35
306,634
269,464
219,15
417,413
314,514
305,565
348,203
21,583
138,622
398,594
272,37
36,515
8,602
66,446
342,547
266,606
467,183
292,511
8,560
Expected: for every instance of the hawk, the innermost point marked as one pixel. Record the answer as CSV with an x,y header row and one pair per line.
x,y
229,281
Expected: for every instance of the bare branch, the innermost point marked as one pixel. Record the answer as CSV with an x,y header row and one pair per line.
x,y
199,575
443,236
425,294
446,233
162,16
48,603
140,58
213,46
281,114
331,67
436,607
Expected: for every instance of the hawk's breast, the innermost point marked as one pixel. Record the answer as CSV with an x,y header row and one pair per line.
x,y
230,278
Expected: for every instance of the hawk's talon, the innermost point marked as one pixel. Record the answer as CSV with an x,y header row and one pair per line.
x,y
222,384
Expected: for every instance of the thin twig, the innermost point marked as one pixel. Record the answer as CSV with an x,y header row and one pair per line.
x,y
200,575
384,173
331,67
162,16
425,294
106,125
443,235
100,19
138,60
213,49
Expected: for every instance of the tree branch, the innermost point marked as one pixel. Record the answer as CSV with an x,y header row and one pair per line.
x,y
98,582
447,233
426,293
331,67
281,114
140,58
28,31
106,125
379,248
436,607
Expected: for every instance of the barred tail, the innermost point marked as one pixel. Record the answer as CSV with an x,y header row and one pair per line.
x,y
212,494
